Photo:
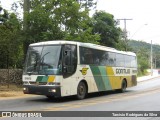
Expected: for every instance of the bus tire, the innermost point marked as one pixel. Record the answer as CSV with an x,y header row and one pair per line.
x,y
81,90
50,97
123,86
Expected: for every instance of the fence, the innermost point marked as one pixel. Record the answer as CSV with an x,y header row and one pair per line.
x,y
10,76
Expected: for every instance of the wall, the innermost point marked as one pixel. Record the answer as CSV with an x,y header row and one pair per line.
x,y
10,76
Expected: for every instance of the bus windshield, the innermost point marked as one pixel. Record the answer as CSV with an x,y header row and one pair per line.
x,y
43,60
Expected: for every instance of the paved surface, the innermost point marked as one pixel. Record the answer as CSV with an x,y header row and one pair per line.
x,y
154,75
144,97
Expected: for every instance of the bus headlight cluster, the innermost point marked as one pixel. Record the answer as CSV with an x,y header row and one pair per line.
x,y
25,89
52,90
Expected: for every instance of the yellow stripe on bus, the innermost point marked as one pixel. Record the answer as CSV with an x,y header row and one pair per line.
x,y
51,78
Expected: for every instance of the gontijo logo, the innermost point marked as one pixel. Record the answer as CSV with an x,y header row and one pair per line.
x,y
84,71
122,71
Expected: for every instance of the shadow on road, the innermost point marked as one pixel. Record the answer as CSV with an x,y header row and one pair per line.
x,y
73,98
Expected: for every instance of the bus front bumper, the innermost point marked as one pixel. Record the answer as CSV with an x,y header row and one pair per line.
x,y
42,90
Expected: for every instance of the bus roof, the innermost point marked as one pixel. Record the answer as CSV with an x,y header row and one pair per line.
x,y
88,45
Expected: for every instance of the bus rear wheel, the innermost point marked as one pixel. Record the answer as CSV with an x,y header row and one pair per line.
x,y
81,91
124,86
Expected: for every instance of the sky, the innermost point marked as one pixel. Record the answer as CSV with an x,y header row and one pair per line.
x,y
145,15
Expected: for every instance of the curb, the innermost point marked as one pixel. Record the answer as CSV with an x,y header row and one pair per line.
x,y
148,79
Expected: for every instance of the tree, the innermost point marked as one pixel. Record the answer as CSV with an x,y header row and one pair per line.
x,y
121,45
143,61
88,4
10,42
57,20
105,25
142,51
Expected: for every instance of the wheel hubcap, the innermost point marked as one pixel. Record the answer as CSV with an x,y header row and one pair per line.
x,y
124,86
81,90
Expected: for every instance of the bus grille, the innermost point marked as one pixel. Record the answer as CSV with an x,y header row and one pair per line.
x,y
38,83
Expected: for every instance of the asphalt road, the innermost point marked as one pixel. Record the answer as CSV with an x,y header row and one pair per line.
x,y
144,97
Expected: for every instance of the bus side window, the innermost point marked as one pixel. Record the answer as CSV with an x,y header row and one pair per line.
x,y
70,60
67,57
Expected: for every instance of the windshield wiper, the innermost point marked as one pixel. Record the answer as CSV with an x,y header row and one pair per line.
x,y
44,56
42,61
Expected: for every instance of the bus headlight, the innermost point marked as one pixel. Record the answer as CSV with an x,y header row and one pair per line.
x,y
25,89
52,90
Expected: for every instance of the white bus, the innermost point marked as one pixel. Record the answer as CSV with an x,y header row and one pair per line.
x,y
64,68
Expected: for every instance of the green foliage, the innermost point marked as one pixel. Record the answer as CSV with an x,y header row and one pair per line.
x,y
87,4
85,36
142,49
105,25
58,20
143,60
3,15
10,42
121,45
45,20
52,20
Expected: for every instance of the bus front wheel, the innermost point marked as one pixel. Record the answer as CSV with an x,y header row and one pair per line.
x,y
50,97
81,91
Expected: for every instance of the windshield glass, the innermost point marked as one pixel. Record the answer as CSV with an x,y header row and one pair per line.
x,y
43,60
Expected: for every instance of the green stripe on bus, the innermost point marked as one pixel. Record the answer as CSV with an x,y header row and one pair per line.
x,y
44,79
39,78
105,78
98,78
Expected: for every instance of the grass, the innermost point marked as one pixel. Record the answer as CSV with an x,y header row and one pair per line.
x,y
140,73
12,91
11,87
